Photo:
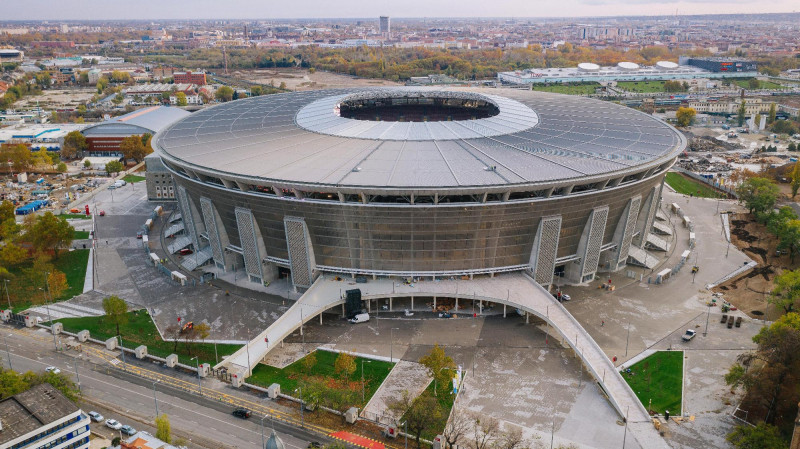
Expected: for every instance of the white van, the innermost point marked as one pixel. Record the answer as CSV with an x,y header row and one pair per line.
x,y
120,183
360,318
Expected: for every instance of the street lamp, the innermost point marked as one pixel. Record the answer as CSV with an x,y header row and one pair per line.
x,y
154,395
49,317
302,420
77,377
8,297
197,363
9,353
122,348
262,430
363,397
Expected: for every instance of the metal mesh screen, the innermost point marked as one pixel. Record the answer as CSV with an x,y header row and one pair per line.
x,y
247,235
298,251
630,225
548,246
186,214
595,241
210,221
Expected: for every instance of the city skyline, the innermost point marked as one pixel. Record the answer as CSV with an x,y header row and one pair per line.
x,y
251,9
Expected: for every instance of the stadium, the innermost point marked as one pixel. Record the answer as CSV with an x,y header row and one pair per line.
x,y
417,182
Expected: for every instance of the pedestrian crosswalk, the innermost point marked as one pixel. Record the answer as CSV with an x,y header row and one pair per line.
x,y
64,310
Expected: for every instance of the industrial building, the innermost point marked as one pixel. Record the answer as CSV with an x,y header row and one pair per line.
x,y
50,136
628,71
11,55
418,182
160,186
42,417
198,78
720,65
104,138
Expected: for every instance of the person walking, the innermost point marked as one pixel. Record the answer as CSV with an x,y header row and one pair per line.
x,y
602,323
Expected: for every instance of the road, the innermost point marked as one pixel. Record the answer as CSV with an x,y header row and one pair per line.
x,y
202,425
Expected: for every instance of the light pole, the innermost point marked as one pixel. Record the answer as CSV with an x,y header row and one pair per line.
x,y
625,434
302,334
302,420
122,348
708,314
363,396
216,359
155,400
391,343
197,363
77,377
627,339
8,353
262,430
49,317
8,297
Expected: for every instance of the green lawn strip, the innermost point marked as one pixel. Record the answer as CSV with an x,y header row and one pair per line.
x,y
659,378
745,83
375,371
80,235
68,216
23,289
687,186
133,178
569,89
140,330
642,86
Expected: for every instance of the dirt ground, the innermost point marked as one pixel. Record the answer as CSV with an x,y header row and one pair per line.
x,y
749,292
301,79
58,98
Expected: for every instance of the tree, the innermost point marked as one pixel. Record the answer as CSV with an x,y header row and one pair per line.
x,y
48,232
116,310
740,114
61,167
113,167
74,145
420,413
437,363
19,156
485,430
345,365
772,112
282,86
309,362
762,436
132,147
13,382
758,194
224,93
784,127
753,83
256,91
87,164
180,99
456,428
685,116
56,284
163,428
795,176
791,147
102,83
786,290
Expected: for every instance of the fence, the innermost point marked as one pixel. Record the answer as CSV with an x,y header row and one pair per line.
x,y
716,185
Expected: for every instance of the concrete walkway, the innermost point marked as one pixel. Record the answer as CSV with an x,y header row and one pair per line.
x,y
521,293
406,376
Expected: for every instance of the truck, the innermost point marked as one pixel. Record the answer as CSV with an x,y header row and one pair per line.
x,y
360,318
689,335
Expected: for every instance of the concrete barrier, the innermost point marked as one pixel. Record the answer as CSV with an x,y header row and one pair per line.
x,y
141,351
273,391
5,315
111,343
203,369
237,379
351,415
172,360
57,328
83,336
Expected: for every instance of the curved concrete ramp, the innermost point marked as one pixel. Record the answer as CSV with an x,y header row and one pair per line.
x,y
512,289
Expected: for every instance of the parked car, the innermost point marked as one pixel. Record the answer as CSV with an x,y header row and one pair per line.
x,y
185,252
113,424
112,187
96,417
128,430
53,369
241,413
689,335
139,235
360,318
102,213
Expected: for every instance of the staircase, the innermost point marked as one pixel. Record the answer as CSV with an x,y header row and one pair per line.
x,y
656,243
640,257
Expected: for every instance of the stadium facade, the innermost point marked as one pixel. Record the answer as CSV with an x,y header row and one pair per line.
x,y
417,182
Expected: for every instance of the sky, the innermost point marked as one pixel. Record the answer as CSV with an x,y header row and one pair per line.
x,y
268,9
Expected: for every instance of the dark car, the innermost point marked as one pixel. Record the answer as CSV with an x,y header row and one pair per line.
x,y
241,413
314,445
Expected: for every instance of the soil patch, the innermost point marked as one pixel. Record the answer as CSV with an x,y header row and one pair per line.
x,y
749,292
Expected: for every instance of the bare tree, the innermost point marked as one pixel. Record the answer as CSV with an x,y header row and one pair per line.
x,y
511,438
485,431
456,428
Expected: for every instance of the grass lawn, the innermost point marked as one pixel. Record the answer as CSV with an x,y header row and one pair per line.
x,y
133,178
140,330
569,89
658,378
80,235
642,86
68,216
688,186
375,371
25,292
745,83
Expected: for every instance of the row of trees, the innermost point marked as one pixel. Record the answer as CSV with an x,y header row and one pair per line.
x,y
13,382
23,158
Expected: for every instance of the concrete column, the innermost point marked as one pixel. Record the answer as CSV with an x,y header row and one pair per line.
x,y
456,303
434,303
491,275
470,276
527,318
390,304
369,306
504,310
320,318
374,277
480,306
412,302
342,309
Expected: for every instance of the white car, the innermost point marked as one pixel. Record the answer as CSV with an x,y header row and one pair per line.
x,y
113,424
53,369
690,333
96,417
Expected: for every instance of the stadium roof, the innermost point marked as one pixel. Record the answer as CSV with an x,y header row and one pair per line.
x,y
299,138
152,119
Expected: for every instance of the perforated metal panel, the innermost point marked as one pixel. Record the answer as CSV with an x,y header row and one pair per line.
x,y
546,247
186,215
595,240
247,233
630,226
209,218
299,251
651,217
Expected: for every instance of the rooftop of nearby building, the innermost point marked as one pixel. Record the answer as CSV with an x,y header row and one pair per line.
x,y
27,411
143,440
153,119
